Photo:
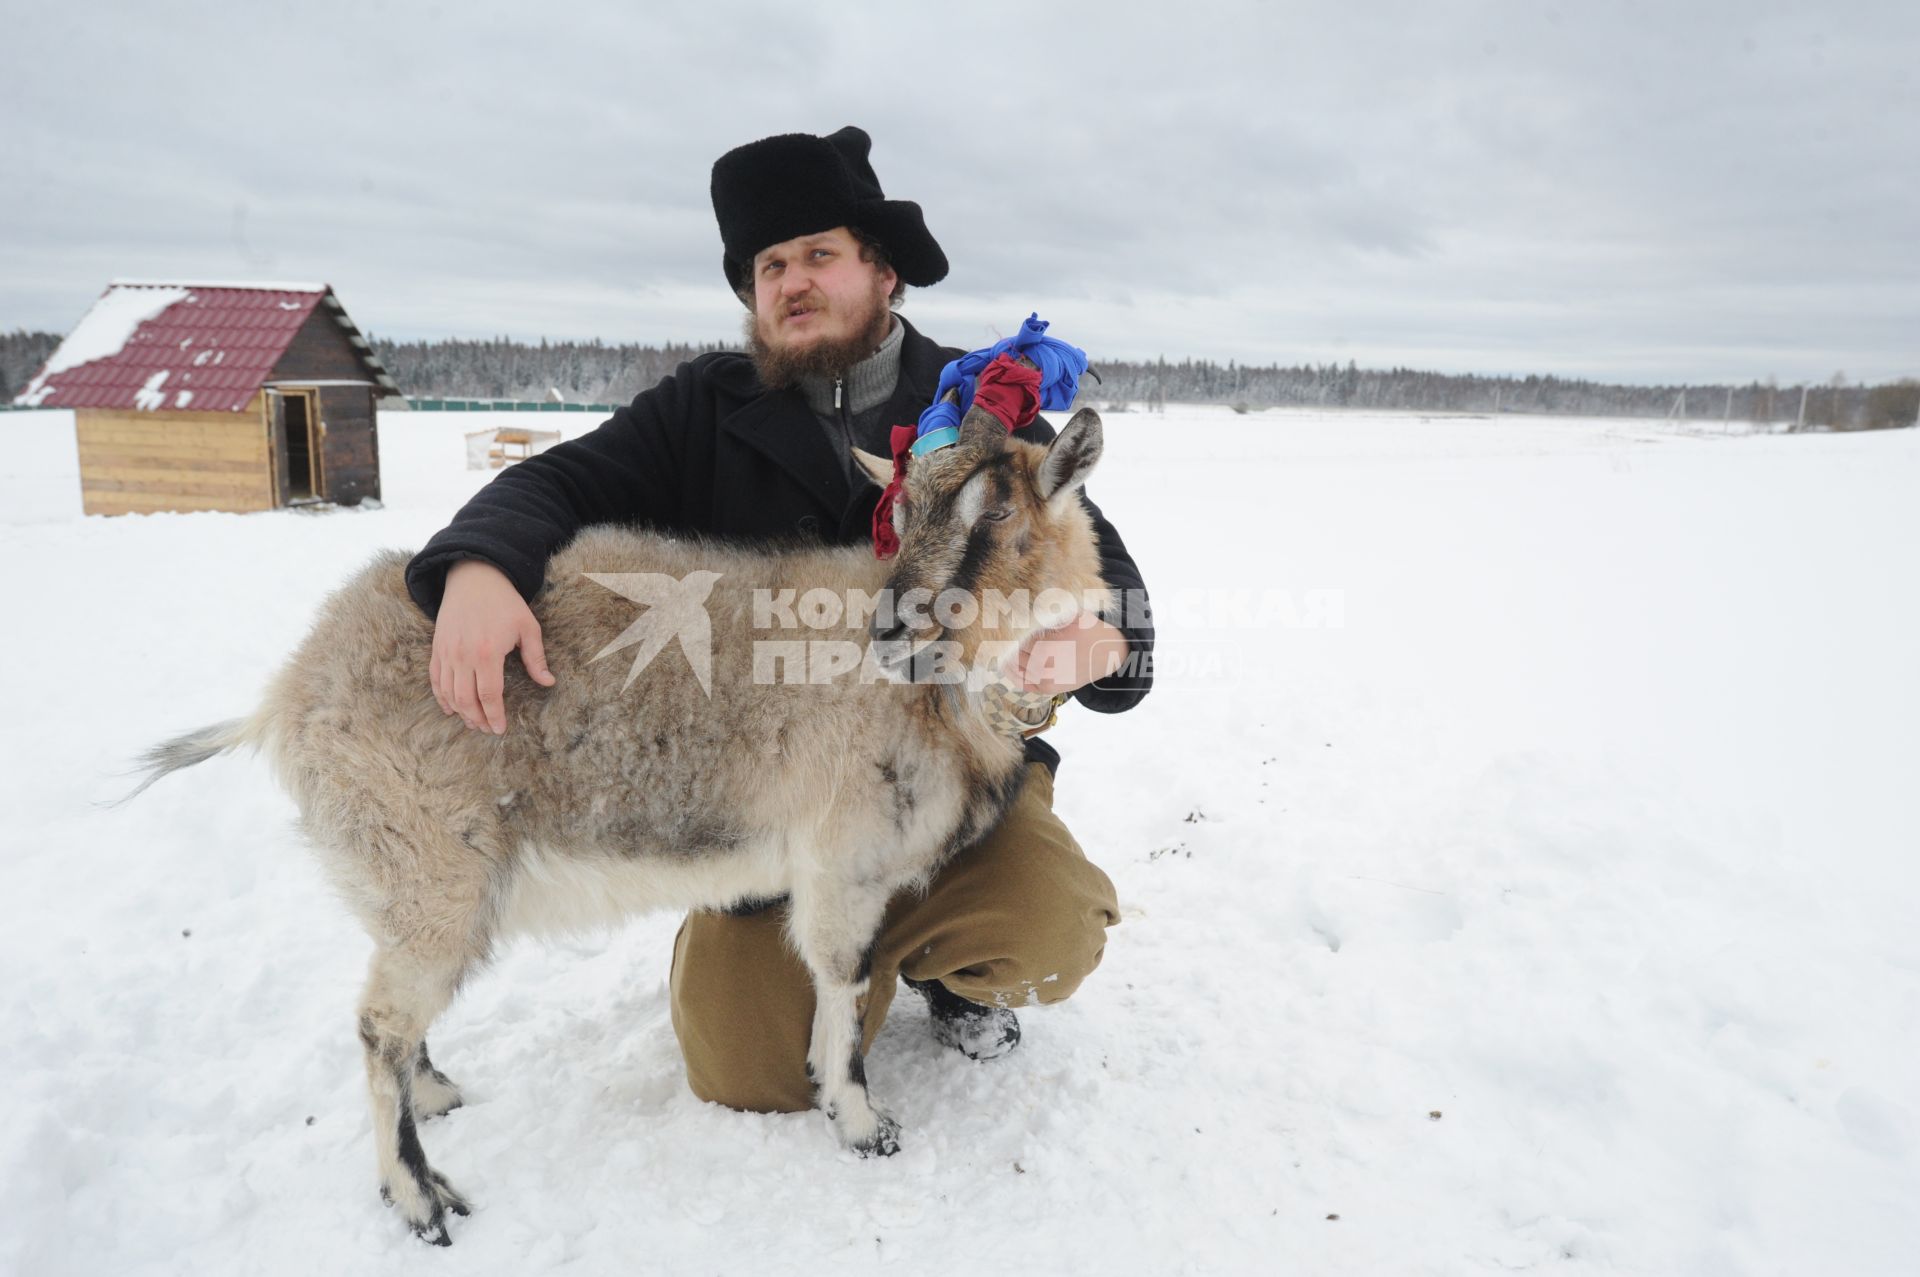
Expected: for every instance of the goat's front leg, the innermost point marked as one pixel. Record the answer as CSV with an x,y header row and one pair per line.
x,y
835,926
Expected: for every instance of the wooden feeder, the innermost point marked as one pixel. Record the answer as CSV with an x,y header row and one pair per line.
x,y
492,449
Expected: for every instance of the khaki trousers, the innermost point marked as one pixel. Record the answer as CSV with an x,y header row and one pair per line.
x,y
1018,918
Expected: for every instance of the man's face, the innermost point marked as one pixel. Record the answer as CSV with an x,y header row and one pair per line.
x,y
817,307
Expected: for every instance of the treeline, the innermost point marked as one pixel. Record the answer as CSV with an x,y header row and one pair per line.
x,y
1835,403
21,354
596,372
581,371
593,372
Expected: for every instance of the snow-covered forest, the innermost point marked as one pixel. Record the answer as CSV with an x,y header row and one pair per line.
x,y
603,373
21,354
1835,403
582,371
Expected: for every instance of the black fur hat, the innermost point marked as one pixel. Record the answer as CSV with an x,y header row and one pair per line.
x,y
794,184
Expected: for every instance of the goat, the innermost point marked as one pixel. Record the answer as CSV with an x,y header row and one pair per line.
x,y
616,792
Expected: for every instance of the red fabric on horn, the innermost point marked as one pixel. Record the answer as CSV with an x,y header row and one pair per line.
x,y
1009,390
886,542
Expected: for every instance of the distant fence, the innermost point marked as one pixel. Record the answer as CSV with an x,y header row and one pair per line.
x,y
508,405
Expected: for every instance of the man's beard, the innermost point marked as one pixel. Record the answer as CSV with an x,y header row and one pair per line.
x,y
830,356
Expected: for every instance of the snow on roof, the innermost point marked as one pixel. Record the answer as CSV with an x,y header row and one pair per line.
x,y
215,283
102,333
209,345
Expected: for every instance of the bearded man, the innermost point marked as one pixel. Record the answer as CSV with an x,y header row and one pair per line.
x,y
758,447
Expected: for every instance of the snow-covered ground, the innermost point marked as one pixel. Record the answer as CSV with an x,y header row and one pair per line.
x,y
1519,859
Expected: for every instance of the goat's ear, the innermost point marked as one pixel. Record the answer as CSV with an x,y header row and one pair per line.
x,y
981,427
1071,456
877,469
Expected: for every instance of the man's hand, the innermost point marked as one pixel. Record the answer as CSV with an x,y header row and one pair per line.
x,y
1067,659
482,618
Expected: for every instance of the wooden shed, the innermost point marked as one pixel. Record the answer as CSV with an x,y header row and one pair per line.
x,y
218,397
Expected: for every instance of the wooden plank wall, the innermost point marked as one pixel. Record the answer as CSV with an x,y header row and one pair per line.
x,y
320,351
352,458
141,462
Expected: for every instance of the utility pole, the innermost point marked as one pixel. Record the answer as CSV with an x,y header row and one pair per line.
x,y
1726,418
1801,424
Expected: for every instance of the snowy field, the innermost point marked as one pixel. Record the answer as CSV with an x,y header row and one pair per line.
x,y
1519,861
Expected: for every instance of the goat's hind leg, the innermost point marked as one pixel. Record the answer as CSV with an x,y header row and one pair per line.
x,y
835,926
407,987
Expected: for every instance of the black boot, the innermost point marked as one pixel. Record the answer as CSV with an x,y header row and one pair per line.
x,y
977,1032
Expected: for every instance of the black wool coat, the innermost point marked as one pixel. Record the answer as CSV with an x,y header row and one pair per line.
x,y
711,450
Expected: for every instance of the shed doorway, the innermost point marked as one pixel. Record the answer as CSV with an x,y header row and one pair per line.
x,y
296,422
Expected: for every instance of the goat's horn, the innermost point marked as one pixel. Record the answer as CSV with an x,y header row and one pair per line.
x,y
981,426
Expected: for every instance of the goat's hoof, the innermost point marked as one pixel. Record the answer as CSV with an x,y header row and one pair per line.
x,y
427,1214
433,1232
884,1142
448,1197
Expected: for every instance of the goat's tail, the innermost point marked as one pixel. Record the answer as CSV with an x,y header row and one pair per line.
x,y
185,751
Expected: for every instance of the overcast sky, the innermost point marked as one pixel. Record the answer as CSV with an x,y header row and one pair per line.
x,y
1633,192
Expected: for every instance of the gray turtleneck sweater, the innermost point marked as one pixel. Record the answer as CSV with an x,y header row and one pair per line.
x,y
850,407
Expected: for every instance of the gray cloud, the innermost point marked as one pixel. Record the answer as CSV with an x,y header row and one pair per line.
x,y
1631,191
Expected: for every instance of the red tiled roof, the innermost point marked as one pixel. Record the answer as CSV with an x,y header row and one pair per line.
x,y
207,352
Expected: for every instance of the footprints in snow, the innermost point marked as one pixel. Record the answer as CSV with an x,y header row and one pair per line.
x,y
1180,849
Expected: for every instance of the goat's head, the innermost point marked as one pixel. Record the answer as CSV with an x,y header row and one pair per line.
x,y
995,543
